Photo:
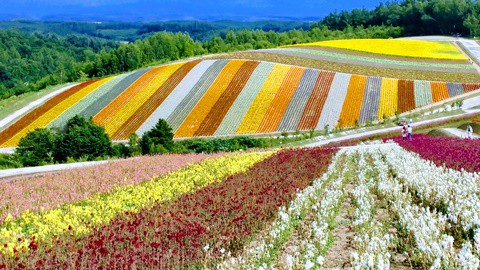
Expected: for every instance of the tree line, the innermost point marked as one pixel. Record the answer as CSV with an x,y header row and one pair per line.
x,y
32,62
83,140
415,17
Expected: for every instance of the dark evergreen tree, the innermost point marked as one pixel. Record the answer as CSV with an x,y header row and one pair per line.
x,y
158,140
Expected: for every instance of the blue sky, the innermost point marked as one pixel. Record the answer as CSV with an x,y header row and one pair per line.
x,y
175,9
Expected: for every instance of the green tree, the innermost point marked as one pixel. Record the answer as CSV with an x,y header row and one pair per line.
x,y
158,140
472,22
134,144
82,139
36,148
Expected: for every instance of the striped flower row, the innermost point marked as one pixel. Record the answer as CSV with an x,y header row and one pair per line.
x,y
225,97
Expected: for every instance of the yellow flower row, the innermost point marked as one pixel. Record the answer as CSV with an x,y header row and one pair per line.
x,y
257,110
388,98
122,115
396,47
46,118
79,217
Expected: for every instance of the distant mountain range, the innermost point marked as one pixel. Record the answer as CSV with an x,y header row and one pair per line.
x,y
150,10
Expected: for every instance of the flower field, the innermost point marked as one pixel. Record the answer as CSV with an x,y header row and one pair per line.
x,y
227,97
455,153
370,206
396,47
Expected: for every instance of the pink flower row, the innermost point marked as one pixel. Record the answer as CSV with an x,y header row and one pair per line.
x,y
454,153
53,189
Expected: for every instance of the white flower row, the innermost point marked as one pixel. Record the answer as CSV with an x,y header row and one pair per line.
x,y
427,226
371,242
307,254
458,191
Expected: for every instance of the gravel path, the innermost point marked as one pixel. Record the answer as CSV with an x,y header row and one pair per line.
x,y
459,133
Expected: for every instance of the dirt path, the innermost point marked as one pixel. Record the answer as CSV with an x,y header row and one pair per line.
x,y
338,255
474,64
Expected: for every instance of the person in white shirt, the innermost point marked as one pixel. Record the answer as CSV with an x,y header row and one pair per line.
x,y
409,130
469,131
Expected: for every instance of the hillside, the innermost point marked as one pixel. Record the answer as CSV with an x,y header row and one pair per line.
x,y
229,97
395,58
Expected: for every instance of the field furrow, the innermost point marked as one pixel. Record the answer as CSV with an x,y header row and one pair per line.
x,y
388,98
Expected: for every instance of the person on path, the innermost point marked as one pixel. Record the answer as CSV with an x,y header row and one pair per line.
x,y
409,130
469,131
404,133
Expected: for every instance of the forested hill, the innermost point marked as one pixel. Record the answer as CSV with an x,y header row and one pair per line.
x,y
32,62
133,31
29,62
416,17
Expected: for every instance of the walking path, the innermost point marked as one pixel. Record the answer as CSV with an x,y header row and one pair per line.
x,y
389,130
473,50
459,133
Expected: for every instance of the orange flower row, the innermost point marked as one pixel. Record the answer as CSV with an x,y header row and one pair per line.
x,y
353,101
214,118
439,91
191,124
147,108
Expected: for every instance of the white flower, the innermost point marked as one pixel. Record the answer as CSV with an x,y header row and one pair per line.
x,y
309,264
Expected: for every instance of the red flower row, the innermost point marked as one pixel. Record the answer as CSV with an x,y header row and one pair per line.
x,y
454,153
223,216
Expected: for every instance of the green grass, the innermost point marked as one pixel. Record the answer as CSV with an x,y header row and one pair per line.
x,y
12,104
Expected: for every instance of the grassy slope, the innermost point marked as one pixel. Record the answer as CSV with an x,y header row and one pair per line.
x,y
12,104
